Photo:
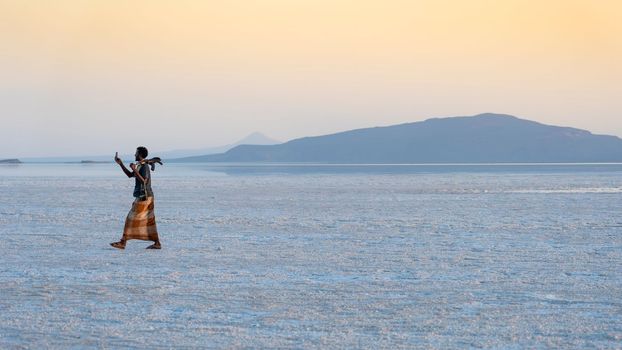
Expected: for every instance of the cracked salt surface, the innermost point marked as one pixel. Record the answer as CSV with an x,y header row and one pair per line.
x,y
313,259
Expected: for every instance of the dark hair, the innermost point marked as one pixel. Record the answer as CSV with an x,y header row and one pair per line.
x,y
142,151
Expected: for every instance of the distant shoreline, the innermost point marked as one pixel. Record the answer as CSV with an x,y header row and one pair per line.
x,y
310,164
91,162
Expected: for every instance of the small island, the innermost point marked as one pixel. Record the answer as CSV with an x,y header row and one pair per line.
x,y
94,162
10,161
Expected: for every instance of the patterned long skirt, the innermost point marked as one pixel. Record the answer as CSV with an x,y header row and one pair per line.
x,y
140,222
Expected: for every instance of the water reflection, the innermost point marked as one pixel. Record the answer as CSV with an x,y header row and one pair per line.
x,y
256,169
381,169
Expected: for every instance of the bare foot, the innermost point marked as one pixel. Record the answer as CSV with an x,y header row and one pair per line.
x,y
118,245
155,246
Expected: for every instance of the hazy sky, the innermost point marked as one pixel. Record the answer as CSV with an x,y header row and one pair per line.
x,y
92,77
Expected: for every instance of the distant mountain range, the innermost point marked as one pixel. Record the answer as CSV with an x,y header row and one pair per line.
x,y
483,138
252,139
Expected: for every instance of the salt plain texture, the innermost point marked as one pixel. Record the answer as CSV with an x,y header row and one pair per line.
x,y
314,257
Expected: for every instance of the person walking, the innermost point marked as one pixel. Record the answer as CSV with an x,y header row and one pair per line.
x,y
140,222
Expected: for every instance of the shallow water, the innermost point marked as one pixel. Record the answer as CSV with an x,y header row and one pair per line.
x,y
314,257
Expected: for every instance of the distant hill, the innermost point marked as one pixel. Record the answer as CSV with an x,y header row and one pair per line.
x,y
10,161
484,138
252,139
255,138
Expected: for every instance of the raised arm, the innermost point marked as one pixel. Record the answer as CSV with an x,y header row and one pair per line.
x,y
120,162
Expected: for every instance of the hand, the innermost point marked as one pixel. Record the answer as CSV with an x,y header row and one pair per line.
x,y
116,158
133,166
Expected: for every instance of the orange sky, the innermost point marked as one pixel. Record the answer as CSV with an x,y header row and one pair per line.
x,y
208,72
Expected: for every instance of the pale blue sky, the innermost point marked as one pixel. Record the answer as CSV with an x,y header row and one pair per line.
x,y
94,77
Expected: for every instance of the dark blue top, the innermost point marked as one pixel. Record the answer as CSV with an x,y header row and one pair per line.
x,y
139,188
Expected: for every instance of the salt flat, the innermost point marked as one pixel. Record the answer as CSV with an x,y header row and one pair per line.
x,y
456,257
